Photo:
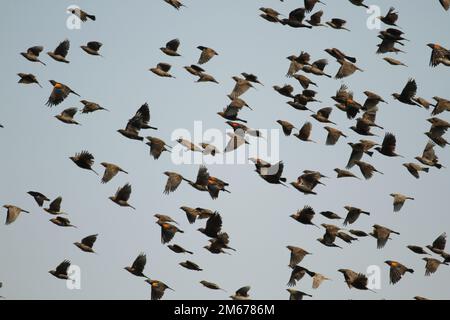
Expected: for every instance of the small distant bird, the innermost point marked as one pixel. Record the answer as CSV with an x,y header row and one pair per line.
x,y
310,4
304,81
297,295
206,55
177,249
394,62
61,51
323,114
241,87
111,170
32,54
273,173
417,249
270,14
171,48
209,149
61,271
345,174
137,268
82,14
382,235
168,231
285,90
338,24
139,121
367,169
295,19
439,54
438,245
330,215
28,78
251,77
388,146
359,3
316,19
414,169
397,270
339,55
213,226
90,107
176,4
211,285
157,147
429,157
305,132
286,126
67,115
190,265
346,69
333,135
359,233
204,77
241,294
304,216
353,214
87,243
92,48
62,222
194,70
399,200
158,287
55,207
122,196
173,181
318,278
164,218
162,70
38,197
441,106
13,213
59,93
84,160
297,255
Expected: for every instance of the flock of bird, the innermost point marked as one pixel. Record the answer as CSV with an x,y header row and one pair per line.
x,y
300,68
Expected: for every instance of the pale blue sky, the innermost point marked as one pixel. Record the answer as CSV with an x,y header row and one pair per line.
x,y
36,148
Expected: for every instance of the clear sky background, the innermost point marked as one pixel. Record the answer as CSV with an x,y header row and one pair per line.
x,y
35,149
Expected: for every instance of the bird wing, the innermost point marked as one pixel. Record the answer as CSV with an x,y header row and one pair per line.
x,y
305,131
389,143
63,48
124,193
410,89
202,176
173,182
440,242
55,206
139,263
89,240
70,112
94,45
63,267
214,224
173,44
110,172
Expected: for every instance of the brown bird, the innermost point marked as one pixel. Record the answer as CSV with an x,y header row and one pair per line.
x,y
241,87
87,243
337,23
84,160
318,278
330,215
297,295
173,181
390,18
399,200
28,78
345,174
158,287
177,5
251,77
346,237
445,4
139,121
359,233
213,226
162,70
270,14
67,115
339,55
204,77
432,265
367,169
62,222
397,271
231,113
157,147
241,294
394,62
82,15
164,218
408,93
353,214
414,169
296,18
315,19
372,100
194,70
304,81
13,213
297,255
429,157
111,170
333,135
122,196
61,51
190,265
297,274
177,249
309,4
382,235
359,3
439,54
219,243
355,280
441,106
323,114
89,107
305,132
55,207
38,197
297,63
168,231
304,216
171,48
346,69
286,126
32,54
61,271
388,146
286,90
358,150
211,285
206,55
417,249
59,93
92,48
137,268
317,68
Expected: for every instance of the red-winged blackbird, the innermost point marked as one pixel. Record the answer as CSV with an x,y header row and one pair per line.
x,y
397,271
158,287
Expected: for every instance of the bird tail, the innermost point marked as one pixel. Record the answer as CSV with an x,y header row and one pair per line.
x,y
92,17
153,128
190,252
426,169
410,270
351,59
369,153
365,212
438,165
94,171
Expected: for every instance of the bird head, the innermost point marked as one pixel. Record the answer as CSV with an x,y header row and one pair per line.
x,y
111,198
405,165
104,164
433,45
